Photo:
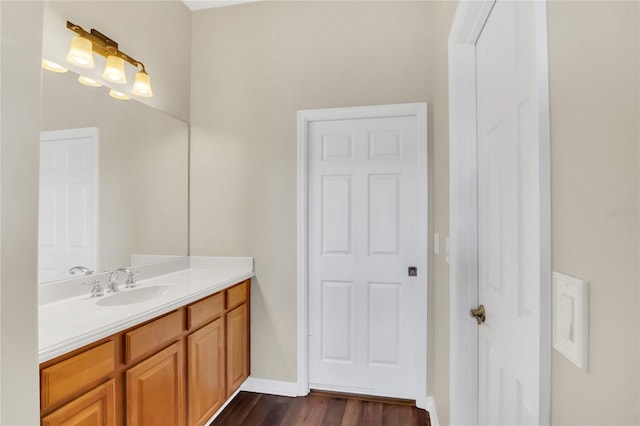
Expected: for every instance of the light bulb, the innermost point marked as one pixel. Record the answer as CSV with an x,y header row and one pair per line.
x,y
114,70
81,52
52,66
118,95
142,85
89,81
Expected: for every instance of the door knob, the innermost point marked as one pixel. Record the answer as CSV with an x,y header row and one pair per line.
x,y
478,314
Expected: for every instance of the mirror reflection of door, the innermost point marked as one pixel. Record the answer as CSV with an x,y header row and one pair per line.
x,y
68,225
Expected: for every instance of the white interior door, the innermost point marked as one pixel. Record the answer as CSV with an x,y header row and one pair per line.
x,y
365,319
68,202
509,217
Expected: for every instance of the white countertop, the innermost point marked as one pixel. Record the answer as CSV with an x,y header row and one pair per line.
x,y
71,323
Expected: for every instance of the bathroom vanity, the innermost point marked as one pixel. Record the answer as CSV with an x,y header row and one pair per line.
x,y
177,356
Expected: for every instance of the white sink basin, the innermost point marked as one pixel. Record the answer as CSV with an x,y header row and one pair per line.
x,y
136,295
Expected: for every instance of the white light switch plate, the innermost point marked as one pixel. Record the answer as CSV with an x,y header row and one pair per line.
x,y
436,243
571,318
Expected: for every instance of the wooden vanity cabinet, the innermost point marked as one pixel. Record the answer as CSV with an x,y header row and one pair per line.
x,y
177,369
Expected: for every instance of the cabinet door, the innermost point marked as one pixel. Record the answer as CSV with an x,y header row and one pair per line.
x,y
155,389
94,408
206,382
237,348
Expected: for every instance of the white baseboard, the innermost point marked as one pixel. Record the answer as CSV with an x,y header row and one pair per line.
x,y
272,387
429,404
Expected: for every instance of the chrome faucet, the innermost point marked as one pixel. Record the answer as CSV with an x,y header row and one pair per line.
x,y
96,290
112,286
83,269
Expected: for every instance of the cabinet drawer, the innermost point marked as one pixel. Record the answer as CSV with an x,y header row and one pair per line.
x,y
205,310
71,376
148,337
96,407
237,295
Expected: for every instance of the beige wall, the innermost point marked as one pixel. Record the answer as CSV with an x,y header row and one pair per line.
x,y
142,172
19,124
158,33
439,298
253,67
593,73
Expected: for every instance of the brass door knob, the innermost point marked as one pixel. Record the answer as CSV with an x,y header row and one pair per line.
x,y
478,314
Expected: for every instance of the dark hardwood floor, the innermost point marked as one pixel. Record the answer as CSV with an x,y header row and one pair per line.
x,y
255,409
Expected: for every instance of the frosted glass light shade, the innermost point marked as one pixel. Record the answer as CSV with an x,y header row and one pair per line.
x,y
89,81
118,95
52,66
114,70
142,85
81,52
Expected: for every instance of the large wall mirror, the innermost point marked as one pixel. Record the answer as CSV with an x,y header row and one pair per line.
x,y
113,180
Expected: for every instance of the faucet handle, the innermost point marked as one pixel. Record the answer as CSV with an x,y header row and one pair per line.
x,y
88,283
96,290
131,281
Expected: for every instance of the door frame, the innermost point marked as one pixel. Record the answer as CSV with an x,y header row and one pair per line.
x,y
469,19
91,133
305,118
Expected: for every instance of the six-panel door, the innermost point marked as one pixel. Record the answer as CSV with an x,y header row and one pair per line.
x,y
364,328
68,231
510,218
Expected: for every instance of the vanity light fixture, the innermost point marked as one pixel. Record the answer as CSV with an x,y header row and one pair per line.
x,y
118,95
142,85
89,81
115,69
52,66
80,52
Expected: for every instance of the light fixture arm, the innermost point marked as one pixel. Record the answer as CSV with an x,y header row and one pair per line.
x,y
103,45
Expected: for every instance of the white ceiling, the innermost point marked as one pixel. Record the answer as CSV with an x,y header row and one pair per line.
x,y
208,4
